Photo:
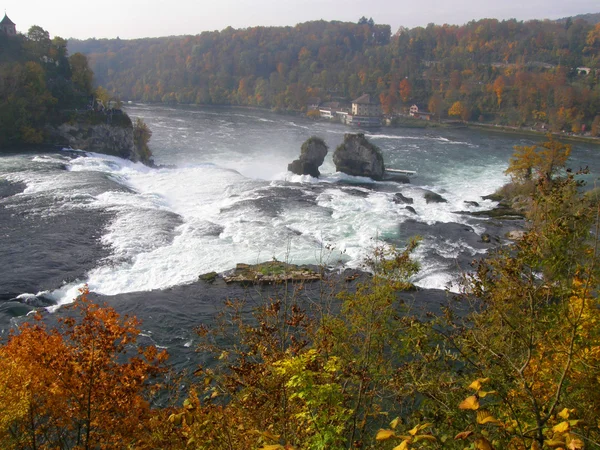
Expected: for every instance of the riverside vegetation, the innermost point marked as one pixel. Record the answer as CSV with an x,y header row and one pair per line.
x,y
511,362
537,73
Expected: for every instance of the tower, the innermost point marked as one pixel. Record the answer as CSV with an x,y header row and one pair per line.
x,y
7,26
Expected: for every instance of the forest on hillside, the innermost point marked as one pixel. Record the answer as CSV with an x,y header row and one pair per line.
x,y
39,84
506,72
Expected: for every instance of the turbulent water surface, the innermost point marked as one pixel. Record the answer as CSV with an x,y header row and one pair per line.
x,y
139,237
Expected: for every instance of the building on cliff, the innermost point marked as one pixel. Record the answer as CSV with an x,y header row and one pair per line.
x,y
8,27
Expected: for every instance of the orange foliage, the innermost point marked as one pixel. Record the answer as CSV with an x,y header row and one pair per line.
x,y
81,390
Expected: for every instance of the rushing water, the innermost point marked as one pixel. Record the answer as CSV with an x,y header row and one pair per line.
x,y
140,236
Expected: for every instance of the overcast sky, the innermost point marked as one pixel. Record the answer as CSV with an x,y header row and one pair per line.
x,y
149,18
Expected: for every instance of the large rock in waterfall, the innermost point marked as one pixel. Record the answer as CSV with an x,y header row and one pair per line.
x,y
357,156
312,155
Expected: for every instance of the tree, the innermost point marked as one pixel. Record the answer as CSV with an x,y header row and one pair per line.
x,y
532,335
457,109
544,161
80,386
596,126
405,90
141,137
499,87
38,43
527,341
82,75
435,106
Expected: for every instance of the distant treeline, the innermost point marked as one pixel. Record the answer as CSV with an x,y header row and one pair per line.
x,y
506,72
39,85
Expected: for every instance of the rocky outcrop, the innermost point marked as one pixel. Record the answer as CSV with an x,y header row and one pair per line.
x,y
432,197
271,272
312,155
396,178
357,156
401,199
102,134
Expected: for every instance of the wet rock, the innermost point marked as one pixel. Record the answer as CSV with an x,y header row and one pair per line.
x,y
300,167
209,277
432,197
411,209
357,156
271,272
502,212
312,155
471,203
356,192
515,235
401,199
397,178
494,197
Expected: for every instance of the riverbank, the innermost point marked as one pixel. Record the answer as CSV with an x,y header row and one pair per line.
x,y
412,123
520,131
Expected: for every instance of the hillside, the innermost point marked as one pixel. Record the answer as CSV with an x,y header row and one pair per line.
x,y
591,18
505,72
39,82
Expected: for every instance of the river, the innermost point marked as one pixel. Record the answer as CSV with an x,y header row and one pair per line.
x,y
139,236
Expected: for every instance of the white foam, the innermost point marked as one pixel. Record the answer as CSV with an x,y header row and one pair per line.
x,y
172,224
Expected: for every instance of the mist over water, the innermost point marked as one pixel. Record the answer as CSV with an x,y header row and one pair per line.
x,y
222,195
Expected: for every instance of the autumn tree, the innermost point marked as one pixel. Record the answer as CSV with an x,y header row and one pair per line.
x,y
511,367
83,385
405,90
457,110
435,106
544,160
499,87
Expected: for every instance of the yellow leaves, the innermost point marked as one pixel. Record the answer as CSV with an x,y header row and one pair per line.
x,y
411,438
403,446
394,423
457,109
383,435
482,394
482,443
576,444
176,419
478,383
561,427
471,402
425,437
564,414
484,417
554,443
418,428
269,435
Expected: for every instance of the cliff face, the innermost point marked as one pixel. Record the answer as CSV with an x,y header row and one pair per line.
x,y
312,155
114,138
357,156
